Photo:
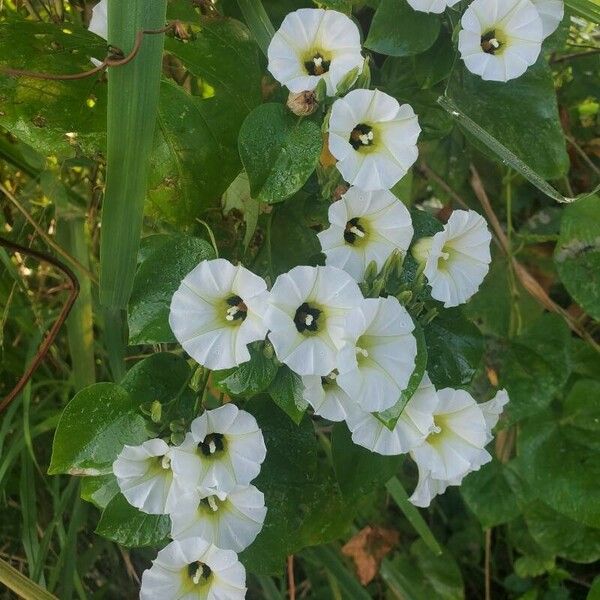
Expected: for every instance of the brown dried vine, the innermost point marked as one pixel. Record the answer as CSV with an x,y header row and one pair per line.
x,y
73,285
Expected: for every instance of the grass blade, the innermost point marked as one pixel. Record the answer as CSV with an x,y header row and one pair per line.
x,y
133,92
398,493
21,585
258,22
588,9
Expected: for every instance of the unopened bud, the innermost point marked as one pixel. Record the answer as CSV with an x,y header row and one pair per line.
x,y
302,103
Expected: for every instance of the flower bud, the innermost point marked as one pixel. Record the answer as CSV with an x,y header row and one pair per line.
x,y
302,103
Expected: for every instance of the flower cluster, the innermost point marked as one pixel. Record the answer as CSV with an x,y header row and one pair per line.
x,y
203,484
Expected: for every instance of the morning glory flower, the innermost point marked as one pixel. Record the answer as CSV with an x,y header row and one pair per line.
x,y
224,448
306,317
314,44
365,227
145,476
431,6
456,259
326,397
500,39
99,24
551,12
374,139
228,520
430,486
379,358
194,569
216,311
413,425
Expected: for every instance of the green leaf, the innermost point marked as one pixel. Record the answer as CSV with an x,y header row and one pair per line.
x,y
455,349
391,415
577,254
251,377
195,157
594,593
258,21
536,365
279,151
128,526
99,490
435,64
560,458
286,391
488,494
93,429
359,471
398,30
133,95
304,504
530,100
156,280
75,107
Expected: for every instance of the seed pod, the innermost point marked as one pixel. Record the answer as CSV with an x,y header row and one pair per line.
x,y
302,103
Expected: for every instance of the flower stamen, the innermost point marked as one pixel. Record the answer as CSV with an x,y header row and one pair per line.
x,y
237,309
165,462
490,44
212,503
362,135
317,65
306,318
199,572
353,231
213,443
362,352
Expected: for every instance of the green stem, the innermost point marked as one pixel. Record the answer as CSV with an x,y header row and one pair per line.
x,y
258,22
398,493
21,585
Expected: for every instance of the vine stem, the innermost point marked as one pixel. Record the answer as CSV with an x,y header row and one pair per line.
x,y
290,574
398,493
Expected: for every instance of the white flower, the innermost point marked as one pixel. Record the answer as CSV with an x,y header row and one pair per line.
x,y
413,425
431,6
306,317
373,138
325,395
228,520
99,24
456,447
145,476
314,44
365,227
216,313
551,12
376,364
456,259
194,569
500,39
224,448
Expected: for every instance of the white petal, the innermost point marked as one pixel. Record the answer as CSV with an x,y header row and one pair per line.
x,y
551,12
99,20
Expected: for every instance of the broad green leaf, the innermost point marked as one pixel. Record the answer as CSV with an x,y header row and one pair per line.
x,y
156,280
40,112
359,471
560,458
421,575
304,503
594,593
529,100
286,391
455,349
536,365
99,490
93,429
195,156
488,494
129,527
577,254
398,30
279,151
251,377
435,64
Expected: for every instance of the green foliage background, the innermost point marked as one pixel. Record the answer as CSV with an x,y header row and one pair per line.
x,y
527,526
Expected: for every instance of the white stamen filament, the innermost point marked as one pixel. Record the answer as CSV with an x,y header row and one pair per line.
x,y
231,312
495,43
318,60
309,319
332,376
212,503
212,447
197,575
436,429
362,352
356,231
165,463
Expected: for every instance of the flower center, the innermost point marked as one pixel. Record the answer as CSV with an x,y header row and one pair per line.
x,y
437,430
362,135
307,318
329,379
198,572
317,64
211,502
354,231
213,443
236,309
490,42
